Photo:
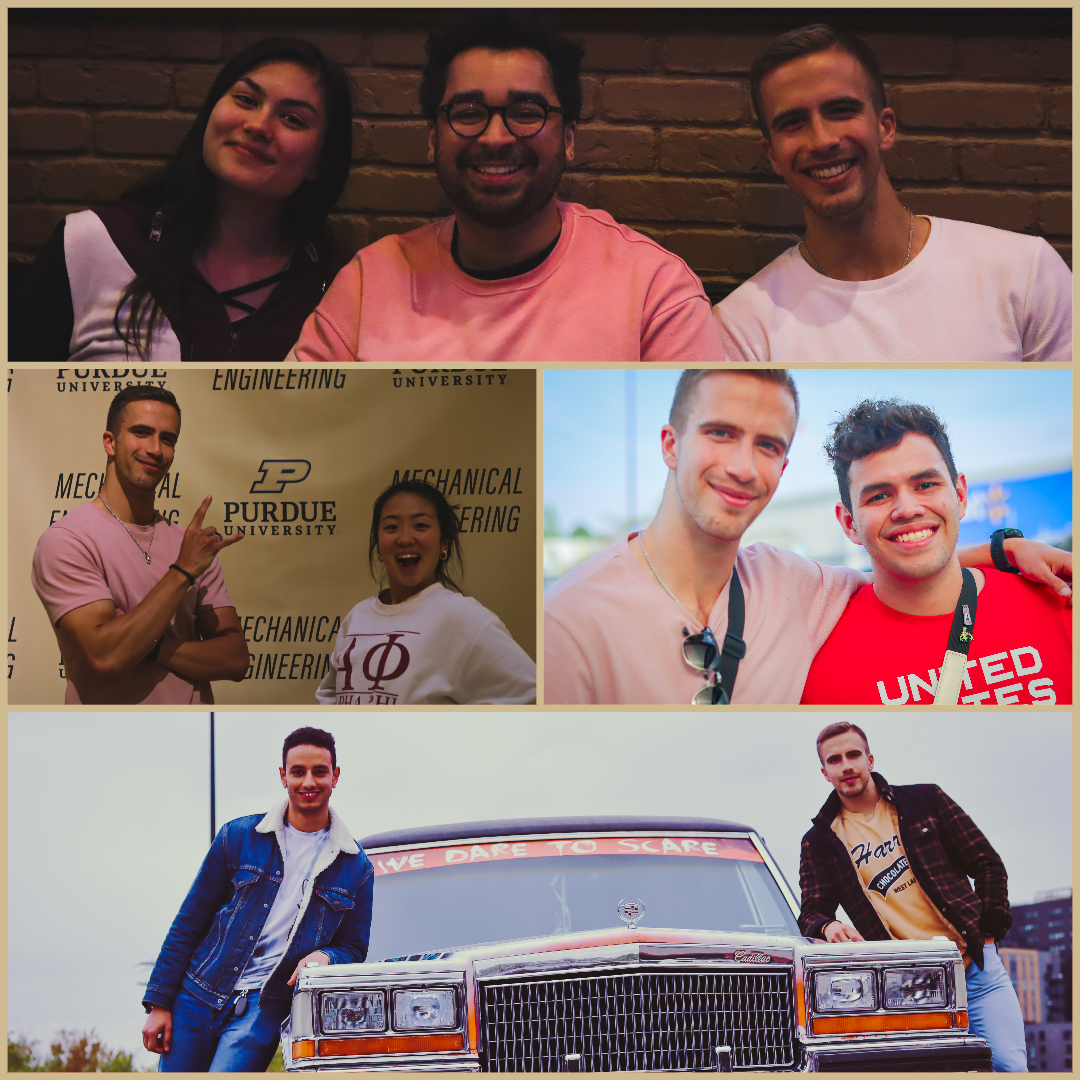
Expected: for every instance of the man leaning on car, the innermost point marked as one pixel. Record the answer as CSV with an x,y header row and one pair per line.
x,y
274,894
898,860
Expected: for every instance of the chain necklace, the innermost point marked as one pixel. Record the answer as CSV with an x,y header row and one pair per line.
x,y
153,532
907,258
641,541
870,817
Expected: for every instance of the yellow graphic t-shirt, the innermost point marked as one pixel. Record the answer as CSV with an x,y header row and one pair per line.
x,y
887,880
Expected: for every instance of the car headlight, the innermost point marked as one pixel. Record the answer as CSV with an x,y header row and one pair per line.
x,y
844,991
914,988
356,1010
424,1010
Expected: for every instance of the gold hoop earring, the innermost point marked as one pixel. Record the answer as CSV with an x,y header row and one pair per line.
x,y
445,555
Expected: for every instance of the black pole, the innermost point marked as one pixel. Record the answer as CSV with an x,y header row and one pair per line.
x,y
213,807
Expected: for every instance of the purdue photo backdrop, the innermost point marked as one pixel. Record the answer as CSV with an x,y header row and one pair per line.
x,y
296,457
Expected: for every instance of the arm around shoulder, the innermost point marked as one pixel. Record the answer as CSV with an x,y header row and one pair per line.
x,y
332,331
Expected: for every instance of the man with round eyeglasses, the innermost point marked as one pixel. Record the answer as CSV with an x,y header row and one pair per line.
x,y
514,274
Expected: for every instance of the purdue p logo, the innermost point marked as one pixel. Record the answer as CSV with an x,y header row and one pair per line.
x,y
276,474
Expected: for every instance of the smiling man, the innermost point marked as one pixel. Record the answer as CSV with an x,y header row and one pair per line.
x,y
1008,640
898,860
514,274
274,894
138,604
682,613
627,626
872,281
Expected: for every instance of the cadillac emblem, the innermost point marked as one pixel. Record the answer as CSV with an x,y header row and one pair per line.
x,y
631,912
745,956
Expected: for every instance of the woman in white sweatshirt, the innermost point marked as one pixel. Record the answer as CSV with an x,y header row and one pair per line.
x,y
420,641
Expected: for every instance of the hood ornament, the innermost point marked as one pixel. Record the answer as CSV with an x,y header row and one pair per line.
x,y
631,912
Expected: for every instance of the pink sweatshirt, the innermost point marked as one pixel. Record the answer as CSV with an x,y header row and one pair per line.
x,y
612,636
606,293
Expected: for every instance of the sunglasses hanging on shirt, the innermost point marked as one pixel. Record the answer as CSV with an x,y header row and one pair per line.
x,y
702,652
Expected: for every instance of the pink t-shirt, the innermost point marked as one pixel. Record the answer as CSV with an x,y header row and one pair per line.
x,y
86,556
613,636
605,293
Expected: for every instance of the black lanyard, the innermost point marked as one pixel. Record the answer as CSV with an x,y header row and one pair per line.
x,y
963,621
954,664
734,648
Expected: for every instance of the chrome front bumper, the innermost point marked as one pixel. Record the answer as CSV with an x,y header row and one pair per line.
x,y
960,1053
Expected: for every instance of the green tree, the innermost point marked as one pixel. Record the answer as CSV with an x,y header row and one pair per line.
x,y
20,1054
71,1051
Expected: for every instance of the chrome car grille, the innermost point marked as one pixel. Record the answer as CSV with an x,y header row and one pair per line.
x,y
645,1021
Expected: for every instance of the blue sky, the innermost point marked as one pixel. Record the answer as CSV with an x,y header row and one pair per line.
x,y
1002,420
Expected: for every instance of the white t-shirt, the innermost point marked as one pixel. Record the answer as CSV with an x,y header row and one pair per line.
x,y
612,636
436,648
301,851
98,275
972,295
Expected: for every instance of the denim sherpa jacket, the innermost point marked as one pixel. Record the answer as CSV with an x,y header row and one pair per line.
x,y
215,932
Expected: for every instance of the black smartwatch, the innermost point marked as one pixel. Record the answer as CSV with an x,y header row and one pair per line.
x,y
997,549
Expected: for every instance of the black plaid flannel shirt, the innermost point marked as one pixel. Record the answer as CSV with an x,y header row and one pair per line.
x,y
944,847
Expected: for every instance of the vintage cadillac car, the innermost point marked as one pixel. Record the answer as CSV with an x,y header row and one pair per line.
x,y
546,979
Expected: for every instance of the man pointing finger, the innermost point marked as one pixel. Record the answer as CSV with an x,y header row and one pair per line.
x,y
139,605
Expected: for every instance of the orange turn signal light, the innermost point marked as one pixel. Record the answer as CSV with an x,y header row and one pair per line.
x,y
861,1025
303,1048
961,1018
390,1044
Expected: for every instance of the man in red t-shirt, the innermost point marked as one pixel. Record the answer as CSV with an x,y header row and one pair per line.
x,y
902,499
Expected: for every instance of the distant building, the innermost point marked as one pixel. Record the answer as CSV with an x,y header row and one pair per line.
x,y
1049,1047
1046,925
1025,971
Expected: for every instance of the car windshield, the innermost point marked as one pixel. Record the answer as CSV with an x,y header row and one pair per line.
x,y
436,898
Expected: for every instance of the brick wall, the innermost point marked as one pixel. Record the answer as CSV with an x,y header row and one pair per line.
x,y
668,143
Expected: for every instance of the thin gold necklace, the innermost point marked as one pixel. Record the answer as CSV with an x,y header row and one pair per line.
x,y
907,258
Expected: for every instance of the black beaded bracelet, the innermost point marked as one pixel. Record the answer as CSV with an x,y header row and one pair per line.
x,y
190,577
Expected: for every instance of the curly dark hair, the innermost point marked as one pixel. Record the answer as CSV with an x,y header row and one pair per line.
x,y
445,513
880,425
502,31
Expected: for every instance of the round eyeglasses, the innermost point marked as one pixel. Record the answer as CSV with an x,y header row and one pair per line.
x,y
523,119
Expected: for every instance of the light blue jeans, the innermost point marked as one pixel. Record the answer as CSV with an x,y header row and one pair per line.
x,y
205,1039
994,1012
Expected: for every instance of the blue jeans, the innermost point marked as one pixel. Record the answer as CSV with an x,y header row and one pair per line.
x,y
205,1039
994,1012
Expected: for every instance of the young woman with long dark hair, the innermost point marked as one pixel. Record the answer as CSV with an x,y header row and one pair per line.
x,y
420,641
222,254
